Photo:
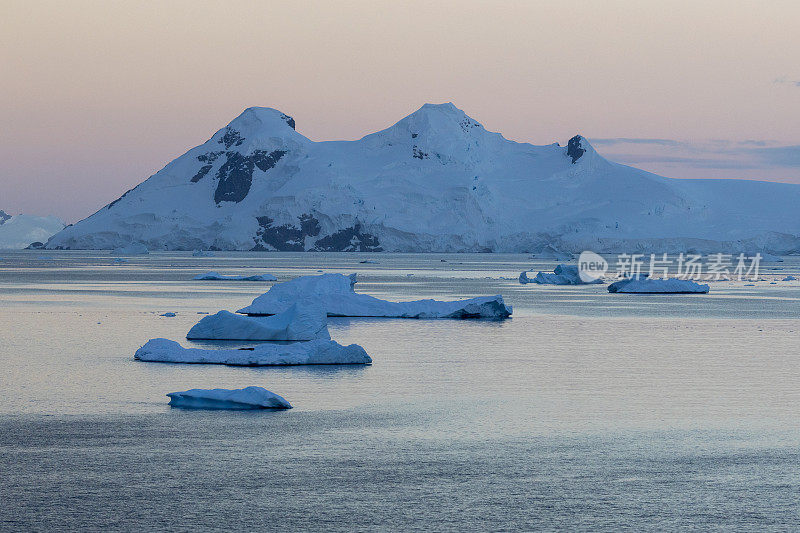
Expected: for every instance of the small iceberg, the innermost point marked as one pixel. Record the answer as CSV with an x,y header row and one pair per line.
x,y
135,248
318,352
644,285
789,278
168,314
203,253
216,276
335,292
368,262
561,275
247,398
303,323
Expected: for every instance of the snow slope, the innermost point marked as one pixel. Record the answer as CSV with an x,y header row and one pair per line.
x,y
434,181
17,232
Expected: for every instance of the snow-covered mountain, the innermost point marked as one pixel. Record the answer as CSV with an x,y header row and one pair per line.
x,y
434,181
19,231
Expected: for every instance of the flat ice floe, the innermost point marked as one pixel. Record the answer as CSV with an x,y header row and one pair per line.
x,y
247,398
318,352
135,248
643,285
298,323
216,276
336,294
561,275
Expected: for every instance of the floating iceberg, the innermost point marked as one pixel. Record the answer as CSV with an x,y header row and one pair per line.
x,y
168,314
789,278
247,398
319,352
216,276
203,253
644,285
303,323
135,248
561,275
336,294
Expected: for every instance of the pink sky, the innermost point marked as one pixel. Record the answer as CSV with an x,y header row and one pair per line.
x,y
96,96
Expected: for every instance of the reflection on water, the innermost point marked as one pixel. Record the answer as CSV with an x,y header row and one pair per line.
x,y
585,411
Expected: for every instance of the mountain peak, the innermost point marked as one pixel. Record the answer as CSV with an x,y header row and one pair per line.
x,y
440,112
433,123
262,117
256,123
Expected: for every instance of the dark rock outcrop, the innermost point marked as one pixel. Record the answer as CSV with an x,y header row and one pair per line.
x,y
351,239
574,149
236,174
286,237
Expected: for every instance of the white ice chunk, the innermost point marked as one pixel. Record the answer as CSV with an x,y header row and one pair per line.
x,y
561,275
203,253
643,285
216,276
247,398
319,352
298,323
135,248
336,294
789,278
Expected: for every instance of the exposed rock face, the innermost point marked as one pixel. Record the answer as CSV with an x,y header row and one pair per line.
x,y
4,216
437,180
574,149
285,237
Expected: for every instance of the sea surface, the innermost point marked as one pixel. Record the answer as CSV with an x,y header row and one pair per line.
x,y
585,411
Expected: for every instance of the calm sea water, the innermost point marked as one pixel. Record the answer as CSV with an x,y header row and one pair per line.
x,y
586,411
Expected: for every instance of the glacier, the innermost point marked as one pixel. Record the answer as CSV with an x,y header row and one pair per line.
x,y
336,294
21,231
561,275
216,276
246,398
303,323
436,181
318,352
646,285
133,248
